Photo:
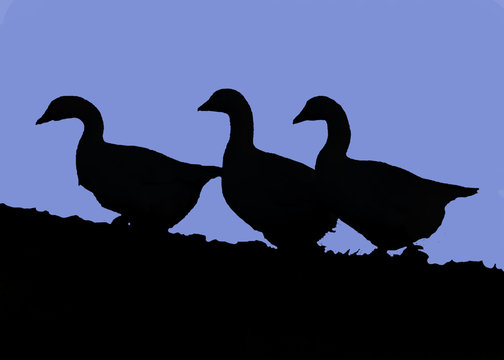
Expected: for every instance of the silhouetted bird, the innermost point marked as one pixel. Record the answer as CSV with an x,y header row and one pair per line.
x,y
389,206
274,195
150,190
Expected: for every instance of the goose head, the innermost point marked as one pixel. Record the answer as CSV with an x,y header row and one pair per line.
x,y
320,108
338,128
65,107
227,101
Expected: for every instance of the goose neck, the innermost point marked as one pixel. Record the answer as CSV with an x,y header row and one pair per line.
x,y
338,136
242,127
93,126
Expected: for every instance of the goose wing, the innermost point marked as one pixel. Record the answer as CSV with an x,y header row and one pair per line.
x,y
382,186
137,164
270,191
135,180
291,183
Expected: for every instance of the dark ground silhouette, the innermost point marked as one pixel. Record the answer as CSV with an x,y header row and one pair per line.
x,y
72,286
389,206
150,190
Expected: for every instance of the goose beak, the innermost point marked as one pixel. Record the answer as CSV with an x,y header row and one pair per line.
x,y
42,120
205,107
300,118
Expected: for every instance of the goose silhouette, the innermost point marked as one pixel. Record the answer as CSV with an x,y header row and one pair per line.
x,y
389,206
274,195
150,190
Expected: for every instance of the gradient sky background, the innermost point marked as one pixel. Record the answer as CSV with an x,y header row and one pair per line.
x,y
422,83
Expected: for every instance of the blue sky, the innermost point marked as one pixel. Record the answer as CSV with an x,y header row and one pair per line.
x,y
422,83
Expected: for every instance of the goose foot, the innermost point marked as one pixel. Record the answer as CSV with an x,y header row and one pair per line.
x,y
307,252
147,227
121,221
413,252
379,253
414,247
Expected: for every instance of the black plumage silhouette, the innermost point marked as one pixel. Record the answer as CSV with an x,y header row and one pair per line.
x,y
150,190
389,206
274,195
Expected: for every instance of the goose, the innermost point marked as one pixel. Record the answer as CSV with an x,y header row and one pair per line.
x,y
149,190
274,195
391,207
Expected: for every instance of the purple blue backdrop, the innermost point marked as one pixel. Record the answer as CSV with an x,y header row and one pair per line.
x,y
421,81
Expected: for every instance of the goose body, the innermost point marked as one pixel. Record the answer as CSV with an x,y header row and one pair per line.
x,y
148,189
274,195
391,207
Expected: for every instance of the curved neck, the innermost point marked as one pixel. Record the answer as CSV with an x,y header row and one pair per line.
x,y
93,124
338,136
242,126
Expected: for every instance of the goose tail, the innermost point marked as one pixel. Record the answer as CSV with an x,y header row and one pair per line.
x,y
465,191
460,191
